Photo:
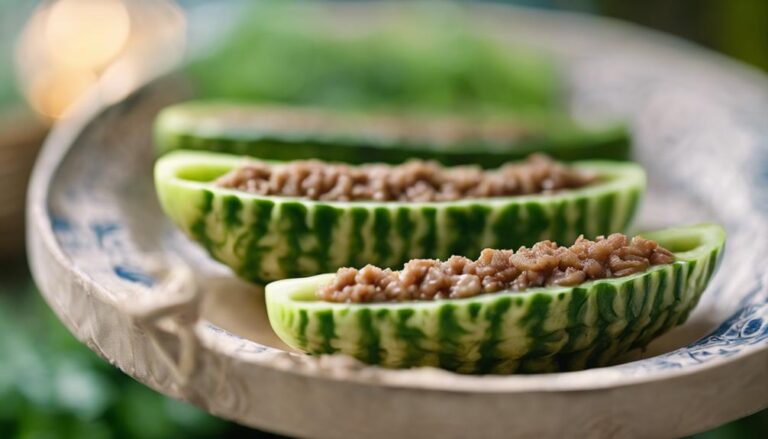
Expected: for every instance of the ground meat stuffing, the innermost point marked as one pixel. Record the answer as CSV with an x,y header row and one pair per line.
x,y
544,264
416,181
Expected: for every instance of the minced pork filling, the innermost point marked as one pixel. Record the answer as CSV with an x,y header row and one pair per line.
x,y
416,180
544,264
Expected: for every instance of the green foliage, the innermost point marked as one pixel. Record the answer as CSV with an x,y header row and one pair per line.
x,y
734,27
431,58
11,14
51,386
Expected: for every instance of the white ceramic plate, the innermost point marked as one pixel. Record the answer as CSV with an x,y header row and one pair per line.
x,y
133,289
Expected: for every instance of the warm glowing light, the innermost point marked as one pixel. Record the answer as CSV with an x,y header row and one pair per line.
x,y
54,91
86,34
108,46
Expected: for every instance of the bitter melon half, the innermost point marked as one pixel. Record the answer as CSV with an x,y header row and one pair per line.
x,y
291,132
265,238
547,329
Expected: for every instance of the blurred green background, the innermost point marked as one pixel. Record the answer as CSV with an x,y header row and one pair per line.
x,y
51,386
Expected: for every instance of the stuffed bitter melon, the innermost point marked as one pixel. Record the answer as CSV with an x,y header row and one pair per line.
x,y
265,238
554,328
288,133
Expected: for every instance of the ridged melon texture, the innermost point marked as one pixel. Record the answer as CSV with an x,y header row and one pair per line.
x,y
246,129
265,238
538,330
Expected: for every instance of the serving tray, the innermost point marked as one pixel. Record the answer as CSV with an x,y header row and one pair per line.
x,y
136,292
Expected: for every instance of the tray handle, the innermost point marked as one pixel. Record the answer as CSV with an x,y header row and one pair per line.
x,y
168,313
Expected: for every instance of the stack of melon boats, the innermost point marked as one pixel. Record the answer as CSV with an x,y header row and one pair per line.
x,y
477,257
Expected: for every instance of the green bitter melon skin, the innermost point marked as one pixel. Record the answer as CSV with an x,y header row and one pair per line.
x,y
266,238
207,126
535,331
